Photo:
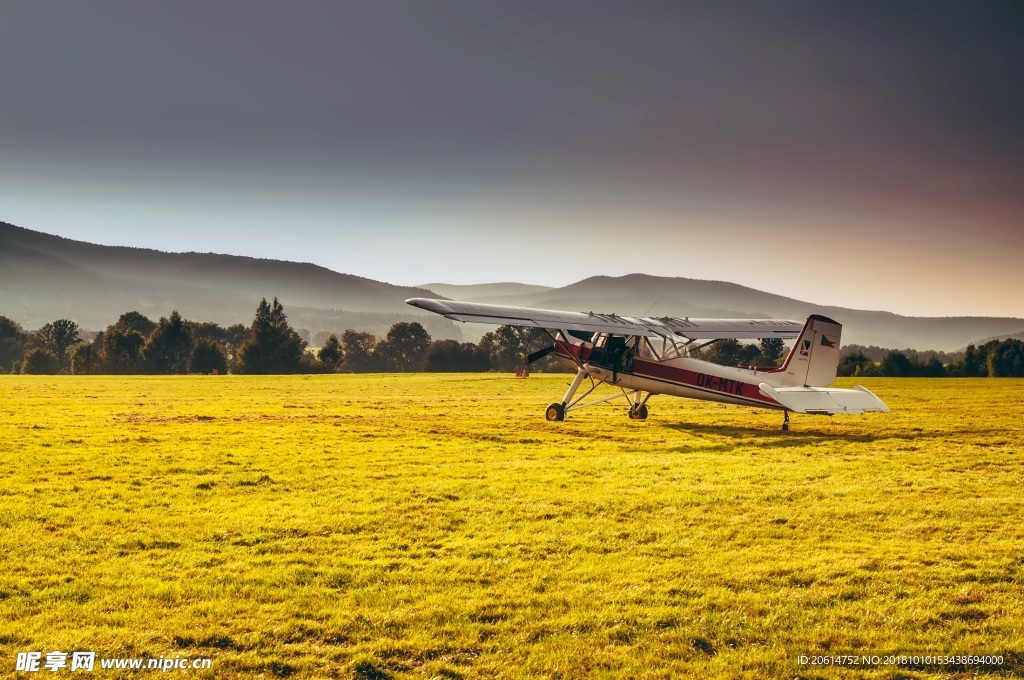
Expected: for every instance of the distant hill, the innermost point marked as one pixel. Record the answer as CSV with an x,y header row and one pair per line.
x,y
634,294
1010,336
484,292
45,277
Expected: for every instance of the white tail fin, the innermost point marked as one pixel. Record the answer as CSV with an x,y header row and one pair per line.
x,y
815,355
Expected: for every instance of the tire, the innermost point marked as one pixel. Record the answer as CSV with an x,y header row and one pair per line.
x,y
639,414
555,412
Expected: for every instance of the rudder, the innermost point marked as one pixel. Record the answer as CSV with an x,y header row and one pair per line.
x,y
815,355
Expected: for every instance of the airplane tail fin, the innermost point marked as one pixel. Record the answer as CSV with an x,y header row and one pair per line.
x,y
815,355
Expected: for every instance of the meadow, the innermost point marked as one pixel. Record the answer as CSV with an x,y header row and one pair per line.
x,y
436,526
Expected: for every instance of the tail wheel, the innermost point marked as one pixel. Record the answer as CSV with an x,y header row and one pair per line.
x,y
555,412
638,414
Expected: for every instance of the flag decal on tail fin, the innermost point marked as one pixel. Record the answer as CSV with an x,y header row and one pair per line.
x,y
827,341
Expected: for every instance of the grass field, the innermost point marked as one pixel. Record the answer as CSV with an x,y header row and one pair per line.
x,y
437,526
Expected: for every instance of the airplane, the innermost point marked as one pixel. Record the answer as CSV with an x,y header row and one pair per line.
x,y
644,356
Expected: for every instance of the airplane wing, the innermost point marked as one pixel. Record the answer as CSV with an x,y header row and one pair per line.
x,y
711,329
591,322
825,400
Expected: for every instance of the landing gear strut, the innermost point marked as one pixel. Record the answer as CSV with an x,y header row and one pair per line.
x,y
556,412
785,421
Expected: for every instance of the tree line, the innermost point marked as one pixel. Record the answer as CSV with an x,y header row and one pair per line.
x,y
136,344
993,359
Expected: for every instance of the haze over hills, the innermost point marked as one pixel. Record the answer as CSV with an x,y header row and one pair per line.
x,y
634,294
44,277
484,292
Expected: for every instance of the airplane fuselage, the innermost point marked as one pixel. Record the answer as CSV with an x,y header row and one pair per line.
x,y
682,377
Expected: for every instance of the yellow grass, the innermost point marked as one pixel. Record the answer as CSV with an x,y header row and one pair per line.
x,y
437,526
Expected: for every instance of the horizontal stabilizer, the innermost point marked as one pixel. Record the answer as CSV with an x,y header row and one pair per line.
x,y
825,400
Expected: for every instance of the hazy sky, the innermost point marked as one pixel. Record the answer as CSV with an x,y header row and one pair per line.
x,y
863,154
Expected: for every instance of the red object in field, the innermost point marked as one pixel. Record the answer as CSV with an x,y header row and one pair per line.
x,y
216,372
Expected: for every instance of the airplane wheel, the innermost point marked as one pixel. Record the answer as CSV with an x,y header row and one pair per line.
x,y
639,414
555,412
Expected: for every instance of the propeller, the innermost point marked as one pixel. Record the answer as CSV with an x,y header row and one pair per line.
x,y
540,354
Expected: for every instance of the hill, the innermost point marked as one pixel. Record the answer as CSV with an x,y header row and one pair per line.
x,y
45,277
635,293
484,292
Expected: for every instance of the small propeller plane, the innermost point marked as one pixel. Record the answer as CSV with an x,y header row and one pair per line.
x,y
644,356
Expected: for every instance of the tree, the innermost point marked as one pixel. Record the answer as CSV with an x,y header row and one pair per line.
x,y
122,350
137,322
896,365
40,361
451,356
974,363
273,346
405,347
169,347
57,337
933,368
852,364
748,355
358,349
725,352
504,348
771,349
206,330
12,343
1005,359
206,357
330,354
85,360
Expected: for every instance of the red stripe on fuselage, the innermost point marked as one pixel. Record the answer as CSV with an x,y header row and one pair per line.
x,y
704,381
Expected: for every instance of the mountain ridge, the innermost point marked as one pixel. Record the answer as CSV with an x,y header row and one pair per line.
x,y
45,277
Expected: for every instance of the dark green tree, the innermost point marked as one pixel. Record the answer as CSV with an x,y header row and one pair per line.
x,y
771,349
974,363
724,352
207,330
206,357
57,337
358,349
852,364
504,348
137,322
1005,359
86,360
897,365
451,356
273,345
330,354
122,350
932,368
169,347
40,361
12,343
748,355
405,347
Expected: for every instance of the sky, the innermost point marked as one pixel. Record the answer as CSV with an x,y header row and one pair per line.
x,y
868,155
